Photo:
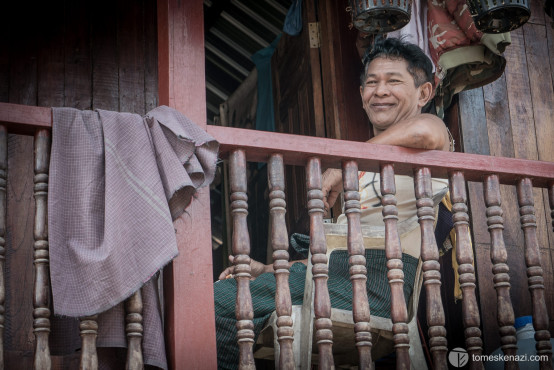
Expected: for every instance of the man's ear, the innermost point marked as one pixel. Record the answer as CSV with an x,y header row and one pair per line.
x,y
425,93
362,92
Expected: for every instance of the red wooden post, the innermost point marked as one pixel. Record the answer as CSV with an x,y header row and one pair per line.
x,y
500,269
41,301
534,270
431,267
393,251
190,324
464,256
280,244
320,271
358,270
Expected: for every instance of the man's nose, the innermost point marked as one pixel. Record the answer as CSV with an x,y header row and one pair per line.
x,y
382,89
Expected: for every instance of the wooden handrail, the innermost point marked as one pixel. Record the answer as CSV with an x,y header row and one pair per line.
x,y
297,149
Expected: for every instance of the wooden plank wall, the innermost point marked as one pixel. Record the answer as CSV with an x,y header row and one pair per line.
x,y
86,55
513,117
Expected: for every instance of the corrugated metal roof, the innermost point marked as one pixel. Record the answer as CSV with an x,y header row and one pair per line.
x,y
234,30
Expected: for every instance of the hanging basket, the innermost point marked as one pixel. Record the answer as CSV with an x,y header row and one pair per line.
x,y
497,16
380,16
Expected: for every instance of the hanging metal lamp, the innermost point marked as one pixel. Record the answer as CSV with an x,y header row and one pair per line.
x,y
497,16
380,16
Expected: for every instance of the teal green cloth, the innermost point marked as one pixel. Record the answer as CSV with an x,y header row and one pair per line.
x,y
340,291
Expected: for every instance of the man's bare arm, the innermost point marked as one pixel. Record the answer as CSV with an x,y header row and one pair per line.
x,y
425,131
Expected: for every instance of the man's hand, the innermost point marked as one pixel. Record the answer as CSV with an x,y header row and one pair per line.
x,y
256,269
331,187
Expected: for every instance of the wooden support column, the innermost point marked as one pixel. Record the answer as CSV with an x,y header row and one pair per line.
x,y
41,301
535,278
464,256
320,270
500,269
393,251
280,244
431,267
357,261
189,301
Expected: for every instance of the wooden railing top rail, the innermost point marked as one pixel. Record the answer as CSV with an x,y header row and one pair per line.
x,y
296,150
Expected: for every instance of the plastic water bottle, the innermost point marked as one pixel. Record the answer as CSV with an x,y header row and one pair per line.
x,y
526,343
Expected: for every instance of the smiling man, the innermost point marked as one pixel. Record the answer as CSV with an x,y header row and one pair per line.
x,y
395,84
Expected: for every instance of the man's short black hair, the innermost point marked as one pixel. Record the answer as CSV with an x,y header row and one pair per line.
x,y
419,65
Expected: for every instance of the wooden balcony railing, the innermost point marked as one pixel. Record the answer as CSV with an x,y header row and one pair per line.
x,y
240,146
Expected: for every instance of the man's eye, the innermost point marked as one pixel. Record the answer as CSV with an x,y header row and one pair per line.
x,y
394,81
371,83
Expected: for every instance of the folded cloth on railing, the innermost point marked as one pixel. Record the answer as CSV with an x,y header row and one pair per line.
x,y
117,181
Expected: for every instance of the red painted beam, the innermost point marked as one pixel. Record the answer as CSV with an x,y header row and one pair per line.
x,y
25,119
296,150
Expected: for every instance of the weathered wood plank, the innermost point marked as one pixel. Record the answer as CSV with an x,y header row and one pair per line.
x,y
105,80
78,60
130,33
357,262
3,179
88,327
134,330
150,56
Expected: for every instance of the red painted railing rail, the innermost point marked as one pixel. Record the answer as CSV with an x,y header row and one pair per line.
x,y
296,150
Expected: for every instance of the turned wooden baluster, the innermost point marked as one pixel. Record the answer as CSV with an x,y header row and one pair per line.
x,y
134,330
241,250
41,301
3,180
464,256
320,271
431,267
280,243
88,327
358,270
393,252
535,279
500,269
551,201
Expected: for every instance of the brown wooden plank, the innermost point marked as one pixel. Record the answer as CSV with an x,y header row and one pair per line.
x,y
20,205
78,62
51,55
130,33
537,12
25,119
550,37
542,94
341,64
315,64
150,56
105,80
190,327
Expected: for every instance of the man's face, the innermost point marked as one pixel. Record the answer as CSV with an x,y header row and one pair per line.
x,y
389,94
